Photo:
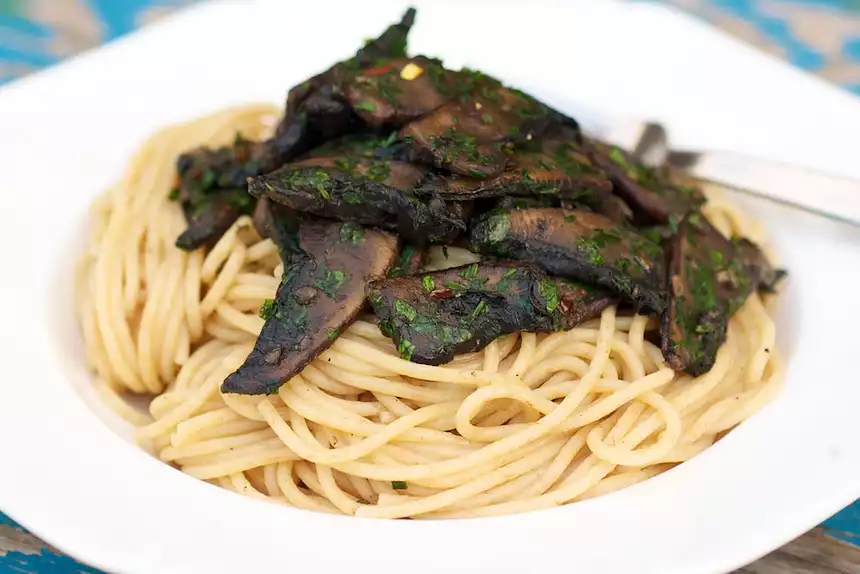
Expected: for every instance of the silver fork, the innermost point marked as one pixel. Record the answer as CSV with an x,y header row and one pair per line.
x,y
824,194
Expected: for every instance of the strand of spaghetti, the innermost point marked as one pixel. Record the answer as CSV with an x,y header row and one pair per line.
x,y
644,456
191,294
172,308
222,282
329,415
215,445
349,363
196,398
242,486
295,495
115,334
315,453
251,324
415,370
328,384
352,407
388,386
239,463
622,480
462,492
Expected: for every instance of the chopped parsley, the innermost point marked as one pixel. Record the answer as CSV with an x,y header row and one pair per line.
x,y
351,233
428,284
481,308
398,484
549,292
405,310
405,349
267,310
331,282
470,272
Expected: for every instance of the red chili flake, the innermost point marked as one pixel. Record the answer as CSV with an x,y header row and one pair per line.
x,y
564,305
443,293
378,70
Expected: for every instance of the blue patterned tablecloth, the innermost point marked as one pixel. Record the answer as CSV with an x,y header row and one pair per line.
x,y
820,36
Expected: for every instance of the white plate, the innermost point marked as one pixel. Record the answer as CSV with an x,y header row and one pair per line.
x,y
66,133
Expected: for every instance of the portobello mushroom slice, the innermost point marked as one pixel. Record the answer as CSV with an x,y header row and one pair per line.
x,y
650,192
580,245
327,265
397,91
466,136
316,110
555,166
349,186
210,216
710,277
764,275
433,317
212,189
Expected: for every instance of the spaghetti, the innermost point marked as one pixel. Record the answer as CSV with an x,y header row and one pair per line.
x,y
531,421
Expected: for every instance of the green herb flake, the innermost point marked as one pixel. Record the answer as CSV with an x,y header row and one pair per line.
x,y
591,251
617,156
549,292
267,310
405,349
404,309
470,272
569,218
428,284
365,106
487,118
333,334
174,194
351,233
352,197
375,299
398,485
481,308
331,282
717,258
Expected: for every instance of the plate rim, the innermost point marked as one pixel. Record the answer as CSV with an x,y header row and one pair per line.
x,y
42,523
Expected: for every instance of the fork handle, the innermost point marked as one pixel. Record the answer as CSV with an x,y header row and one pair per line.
x,y
821,193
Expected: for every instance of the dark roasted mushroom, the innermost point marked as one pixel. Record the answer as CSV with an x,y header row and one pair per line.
x,y
350,186
764,275
327,266
580,245
466,136
213,189
316,109
210,217
434,316
397,91
710,277
554,166
652,194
